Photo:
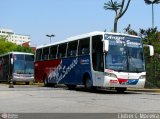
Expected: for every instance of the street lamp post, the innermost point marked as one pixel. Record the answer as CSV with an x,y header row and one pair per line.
x,y
152,2
50,36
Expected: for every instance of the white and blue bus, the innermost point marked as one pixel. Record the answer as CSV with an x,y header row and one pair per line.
x,y
96,59
17,66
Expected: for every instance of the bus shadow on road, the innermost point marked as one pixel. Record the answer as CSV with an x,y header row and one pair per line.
x,y
96,91
104,91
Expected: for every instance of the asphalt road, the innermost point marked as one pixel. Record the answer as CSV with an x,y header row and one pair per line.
x,y
39,99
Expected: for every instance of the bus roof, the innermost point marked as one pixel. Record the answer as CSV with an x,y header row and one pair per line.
x,y
17,53
73,38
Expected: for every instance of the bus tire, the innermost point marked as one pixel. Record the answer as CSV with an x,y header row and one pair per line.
x,y
120,90
88,84
71,87
45,81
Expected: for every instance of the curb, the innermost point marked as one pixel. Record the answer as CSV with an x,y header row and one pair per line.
x,y
145,90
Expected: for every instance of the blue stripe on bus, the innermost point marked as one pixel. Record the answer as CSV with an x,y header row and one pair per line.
x,y
71,70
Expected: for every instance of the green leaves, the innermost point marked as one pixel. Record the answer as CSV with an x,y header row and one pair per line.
x,y
112,5
6,46
152,36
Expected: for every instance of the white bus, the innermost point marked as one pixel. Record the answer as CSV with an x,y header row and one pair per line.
x,y
18,66
96,59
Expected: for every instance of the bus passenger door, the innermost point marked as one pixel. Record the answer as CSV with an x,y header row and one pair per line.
x,y
97,60
98,78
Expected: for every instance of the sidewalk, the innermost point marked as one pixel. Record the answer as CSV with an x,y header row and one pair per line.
x,y
144,90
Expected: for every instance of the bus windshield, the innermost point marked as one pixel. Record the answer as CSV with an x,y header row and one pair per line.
x,y
23,64
125,54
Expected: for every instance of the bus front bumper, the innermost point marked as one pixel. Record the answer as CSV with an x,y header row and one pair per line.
x,y
128,83
23,78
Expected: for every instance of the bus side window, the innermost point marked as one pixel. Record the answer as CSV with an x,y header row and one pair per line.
x,y
53,52
72,48
83,48
38,54
85,51
62,50
45,53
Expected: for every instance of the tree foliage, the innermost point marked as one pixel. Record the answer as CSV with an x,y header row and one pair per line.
x,y
6,46
152,36
130,31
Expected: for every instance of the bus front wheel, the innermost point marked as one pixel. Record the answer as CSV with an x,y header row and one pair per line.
x,y
88,83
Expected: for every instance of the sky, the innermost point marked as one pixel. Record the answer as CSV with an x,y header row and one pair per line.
x,y
66,18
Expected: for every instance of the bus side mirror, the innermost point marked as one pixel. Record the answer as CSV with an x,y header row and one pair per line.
x,y
151,49
11,60
106,46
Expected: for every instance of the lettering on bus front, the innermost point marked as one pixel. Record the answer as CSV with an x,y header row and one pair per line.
x,y
61,71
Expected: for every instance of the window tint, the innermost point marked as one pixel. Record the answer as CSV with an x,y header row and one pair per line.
x,y
18,57
45,53
62,50
84,46
38,54
29,57
72,48
53,52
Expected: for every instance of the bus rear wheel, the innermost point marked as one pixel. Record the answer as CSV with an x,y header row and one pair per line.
x,y
121,90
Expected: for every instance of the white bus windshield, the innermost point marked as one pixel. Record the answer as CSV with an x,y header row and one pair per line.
x,y
23,64
125,54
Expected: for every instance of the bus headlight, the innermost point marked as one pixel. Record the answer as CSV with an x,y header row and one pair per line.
x,y
110,75
142,77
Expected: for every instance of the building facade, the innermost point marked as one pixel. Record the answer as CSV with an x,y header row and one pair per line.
x,y
15,38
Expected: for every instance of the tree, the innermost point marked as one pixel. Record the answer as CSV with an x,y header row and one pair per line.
x,y
150,36
148,2
130,31
119,9
6,46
